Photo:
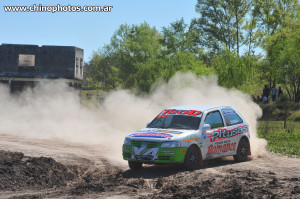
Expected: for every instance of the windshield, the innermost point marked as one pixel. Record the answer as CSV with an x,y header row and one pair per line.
x,y
176,121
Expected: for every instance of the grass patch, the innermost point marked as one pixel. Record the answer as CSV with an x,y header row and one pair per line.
x,y
280,140
295,116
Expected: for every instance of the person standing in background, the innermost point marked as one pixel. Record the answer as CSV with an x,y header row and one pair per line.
x,y
266,92
274,92
279,92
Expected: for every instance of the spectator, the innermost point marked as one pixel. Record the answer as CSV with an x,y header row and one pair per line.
x,y
279,92
266,92
274,92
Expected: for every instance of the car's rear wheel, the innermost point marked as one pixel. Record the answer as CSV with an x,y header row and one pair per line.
x,y
242,151
133,165
192,158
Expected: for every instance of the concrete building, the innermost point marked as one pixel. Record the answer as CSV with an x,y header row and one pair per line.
x,y
27,65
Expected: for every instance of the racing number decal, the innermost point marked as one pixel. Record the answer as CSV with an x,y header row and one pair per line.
x,y
151,152
137,150
142,151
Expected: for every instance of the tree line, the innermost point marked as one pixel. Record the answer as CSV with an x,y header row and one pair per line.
x,y
246,43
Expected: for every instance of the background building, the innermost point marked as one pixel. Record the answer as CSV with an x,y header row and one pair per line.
x,y
28,65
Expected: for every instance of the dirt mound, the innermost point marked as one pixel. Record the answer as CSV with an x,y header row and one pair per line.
x,y
230,184
98,181
18,171
163,182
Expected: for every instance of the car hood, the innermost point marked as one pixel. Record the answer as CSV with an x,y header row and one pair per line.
x,y
154,134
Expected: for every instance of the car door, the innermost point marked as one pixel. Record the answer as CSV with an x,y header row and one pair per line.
x,y
235,128
210,143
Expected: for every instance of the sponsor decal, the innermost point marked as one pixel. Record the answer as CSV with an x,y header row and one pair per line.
x,y
183,151
168,112
191,138
153,135
221,134
204,135
168,152
210,135
220,147
228,111
160,131
142,153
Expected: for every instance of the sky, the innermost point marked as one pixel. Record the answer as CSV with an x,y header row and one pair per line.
x,y
87,30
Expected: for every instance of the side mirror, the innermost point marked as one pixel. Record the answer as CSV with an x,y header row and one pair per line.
x,y
206,127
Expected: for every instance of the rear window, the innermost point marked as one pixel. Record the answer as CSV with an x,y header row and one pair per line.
x,y
231,117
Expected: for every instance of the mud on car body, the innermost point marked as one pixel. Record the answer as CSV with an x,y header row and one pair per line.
x,y
188,135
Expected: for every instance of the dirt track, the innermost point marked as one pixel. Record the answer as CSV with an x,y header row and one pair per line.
x,y
77,171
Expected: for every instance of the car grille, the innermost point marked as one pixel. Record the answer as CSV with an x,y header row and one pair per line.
x,y
149,144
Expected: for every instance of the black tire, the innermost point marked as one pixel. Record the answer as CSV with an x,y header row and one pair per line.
x,y
192,158
242,151
133,165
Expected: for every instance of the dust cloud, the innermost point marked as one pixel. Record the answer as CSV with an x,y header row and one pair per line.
x,y
53,111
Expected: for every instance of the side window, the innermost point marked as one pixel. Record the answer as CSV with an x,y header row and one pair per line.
x,y
214,119
231,117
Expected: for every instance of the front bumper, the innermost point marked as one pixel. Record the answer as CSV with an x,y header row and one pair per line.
x,y
164,155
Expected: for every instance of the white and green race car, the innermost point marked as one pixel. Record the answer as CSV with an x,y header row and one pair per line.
x,y
188,135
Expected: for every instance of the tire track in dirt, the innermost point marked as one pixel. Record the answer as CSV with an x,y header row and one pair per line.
x,y
97,176
67,153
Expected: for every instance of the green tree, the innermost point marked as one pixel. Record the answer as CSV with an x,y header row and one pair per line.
x,y
178,37
174,37
273,14
183,62
254,34
283,54
101,71
220,24
233,70
135,47
181,51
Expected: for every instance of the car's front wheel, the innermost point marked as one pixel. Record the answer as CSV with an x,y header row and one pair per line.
x,y
133,165
242,151
192,158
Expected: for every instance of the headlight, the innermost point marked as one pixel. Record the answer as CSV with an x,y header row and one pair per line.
x,y
170,144
127,141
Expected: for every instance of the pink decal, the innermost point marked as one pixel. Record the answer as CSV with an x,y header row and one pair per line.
x,y
154,135
221,148
180,112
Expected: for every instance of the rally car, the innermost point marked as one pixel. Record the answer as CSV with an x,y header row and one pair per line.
x,y
188,135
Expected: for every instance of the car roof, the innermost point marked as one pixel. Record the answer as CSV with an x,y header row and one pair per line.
x,y
198,107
